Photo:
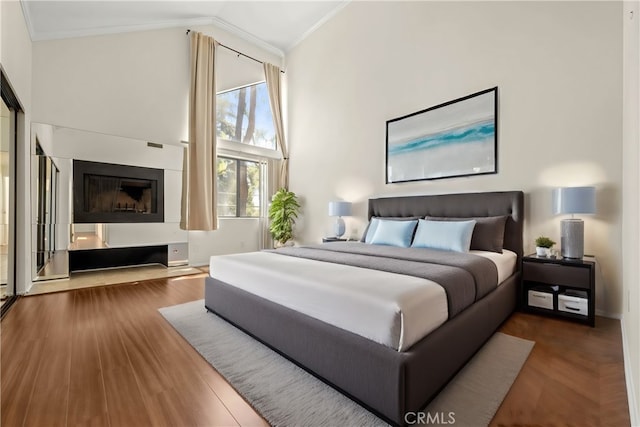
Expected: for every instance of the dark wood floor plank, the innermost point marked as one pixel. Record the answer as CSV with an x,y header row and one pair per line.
x,y
19,381
23,371
49,401
163,357
125,403
87,398
125,365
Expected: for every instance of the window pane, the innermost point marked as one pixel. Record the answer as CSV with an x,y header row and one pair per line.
x,y
227,189
249,189
244,115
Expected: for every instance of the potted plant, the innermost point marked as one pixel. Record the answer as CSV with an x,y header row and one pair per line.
x,y
543,244
283,212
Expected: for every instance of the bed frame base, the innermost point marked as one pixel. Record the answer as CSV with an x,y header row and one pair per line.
x,y
385,381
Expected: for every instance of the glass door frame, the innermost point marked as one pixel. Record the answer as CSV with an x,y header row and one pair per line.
x,y
11,101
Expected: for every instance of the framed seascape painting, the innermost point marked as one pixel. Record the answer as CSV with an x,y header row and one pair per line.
x,y
457,138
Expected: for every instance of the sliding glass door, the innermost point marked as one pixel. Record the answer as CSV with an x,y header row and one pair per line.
x,y
7,282
9,111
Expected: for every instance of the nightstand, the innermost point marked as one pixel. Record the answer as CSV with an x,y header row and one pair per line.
x,y
560,287
333,239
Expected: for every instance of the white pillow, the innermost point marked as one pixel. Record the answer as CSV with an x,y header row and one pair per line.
x,y
393,233
444,235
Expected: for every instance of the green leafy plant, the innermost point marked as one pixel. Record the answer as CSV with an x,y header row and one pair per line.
x,y
544,242
283,213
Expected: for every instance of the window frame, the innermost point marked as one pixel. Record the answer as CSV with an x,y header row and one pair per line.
x,y
252,149
237,160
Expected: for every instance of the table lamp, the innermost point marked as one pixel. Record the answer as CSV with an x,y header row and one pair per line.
x,y
339,209
573,200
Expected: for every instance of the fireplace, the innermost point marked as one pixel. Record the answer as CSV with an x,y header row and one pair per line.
x,y
106,193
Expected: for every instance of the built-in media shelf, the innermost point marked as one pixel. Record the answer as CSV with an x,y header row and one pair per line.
x,y
169,255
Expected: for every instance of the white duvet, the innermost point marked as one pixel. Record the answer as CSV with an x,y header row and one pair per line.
x,y
391,309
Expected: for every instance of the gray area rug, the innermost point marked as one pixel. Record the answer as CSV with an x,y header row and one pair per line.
x,y
286,395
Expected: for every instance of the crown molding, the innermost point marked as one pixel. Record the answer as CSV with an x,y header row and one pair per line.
x,y
246,36
98,31
57,35
217,22
318,24
27,18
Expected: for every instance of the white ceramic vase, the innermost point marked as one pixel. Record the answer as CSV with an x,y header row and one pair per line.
x,y
540,251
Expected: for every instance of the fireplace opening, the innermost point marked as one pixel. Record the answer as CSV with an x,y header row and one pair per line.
x,y
117,193
113,194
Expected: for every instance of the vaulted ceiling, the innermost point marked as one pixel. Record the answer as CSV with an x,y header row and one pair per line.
x,y
278,25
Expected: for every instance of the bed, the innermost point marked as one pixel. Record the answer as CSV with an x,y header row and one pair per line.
x,y
389,378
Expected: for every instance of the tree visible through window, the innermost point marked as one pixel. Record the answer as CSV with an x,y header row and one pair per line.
x,y
244,115
238,188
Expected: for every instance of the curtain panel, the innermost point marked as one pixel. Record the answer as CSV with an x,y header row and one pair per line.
x,y
272,77
199,206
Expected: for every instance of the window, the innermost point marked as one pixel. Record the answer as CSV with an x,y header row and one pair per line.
x,y
238,188
244,115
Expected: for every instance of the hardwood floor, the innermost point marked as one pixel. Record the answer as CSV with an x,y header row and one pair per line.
x,y
573,376
105,357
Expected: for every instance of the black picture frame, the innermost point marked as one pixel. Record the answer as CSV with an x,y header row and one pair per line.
x,y
457,138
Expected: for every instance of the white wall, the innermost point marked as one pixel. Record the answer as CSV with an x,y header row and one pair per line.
x,y
558,68
631,203
234,235
133,84
16,59
16,51
137,85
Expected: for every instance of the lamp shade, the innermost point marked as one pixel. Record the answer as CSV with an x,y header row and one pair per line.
x,y
339,208
574,200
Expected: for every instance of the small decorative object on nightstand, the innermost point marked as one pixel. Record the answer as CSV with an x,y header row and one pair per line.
x,y
560,287
544,245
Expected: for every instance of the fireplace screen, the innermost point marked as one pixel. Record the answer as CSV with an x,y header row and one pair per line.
x,y
117,193
113,194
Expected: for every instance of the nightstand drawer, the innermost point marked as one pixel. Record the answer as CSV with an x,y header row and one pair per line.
x,y
556,274
540,299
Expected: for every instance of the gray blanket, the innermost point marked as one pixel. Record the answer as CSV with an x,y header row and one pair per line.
x,y
465,277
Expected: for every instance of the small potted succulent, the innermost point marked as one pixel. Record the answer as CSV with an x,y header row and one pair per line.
x,y
543,245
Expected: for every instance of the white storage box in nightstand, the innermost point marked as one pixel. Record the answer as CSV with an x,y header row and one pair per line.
x,y
575,305
540,299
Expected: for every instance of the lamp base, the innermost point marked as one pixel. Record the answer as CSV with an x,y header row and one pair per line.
x,y
339,227
572,238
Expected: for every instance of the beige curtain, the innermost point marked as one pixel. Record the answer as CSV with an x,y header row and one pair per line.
x,y
200,164
270,182
272,76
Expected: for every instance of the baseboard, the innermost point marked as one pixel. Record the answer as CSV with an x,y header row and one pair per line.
x,y
603,313
628,375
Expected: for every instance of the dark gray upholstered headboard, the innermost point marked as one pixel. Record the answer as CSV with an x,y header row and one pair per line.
x,y
460,206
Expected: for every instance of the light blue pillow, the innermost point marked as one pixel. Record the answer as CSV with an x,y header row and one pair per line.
x,y
393,233
444,235
373,226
